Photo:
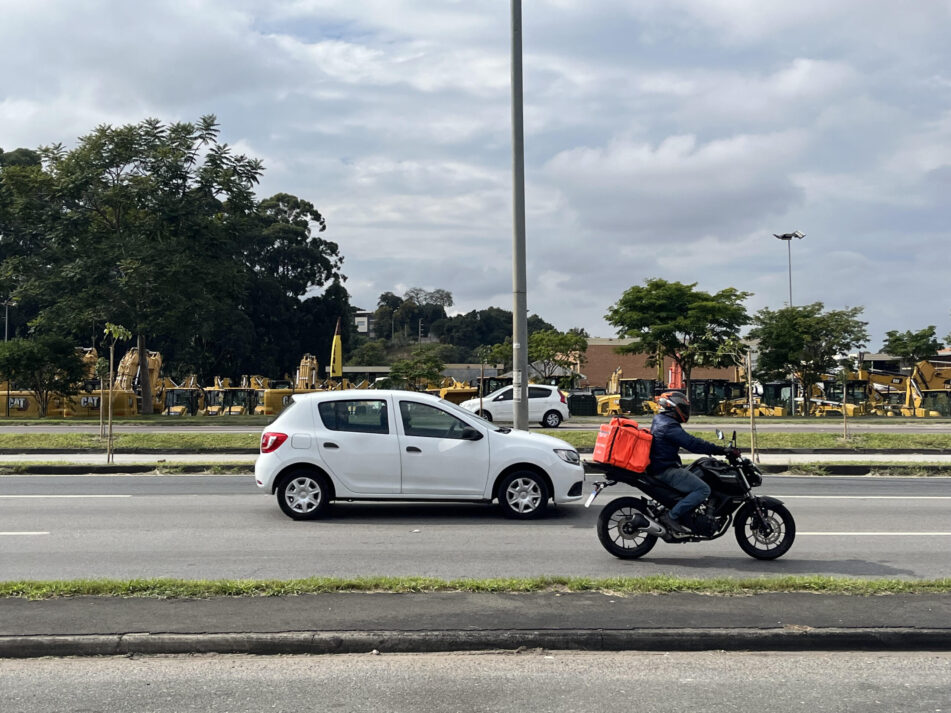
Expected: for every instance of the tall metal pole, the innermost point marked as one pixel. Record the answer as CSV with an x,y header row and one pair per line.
x,y
789,254
520,305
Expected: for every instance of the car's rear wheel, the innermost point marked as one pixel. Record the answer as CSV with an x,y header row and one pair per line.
x,y
304,495
523,495
552,419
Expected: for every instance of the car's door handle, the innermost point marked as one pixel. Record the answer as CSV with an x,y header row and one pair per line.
x,y
413,449
331,444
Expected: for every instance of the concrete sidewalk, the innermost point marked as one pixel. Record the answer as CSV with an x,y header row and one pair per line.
x,y
458,621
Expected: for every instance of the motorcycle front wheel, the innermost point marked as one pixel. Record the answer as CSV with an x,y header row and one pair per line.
x,y
768,538
617,530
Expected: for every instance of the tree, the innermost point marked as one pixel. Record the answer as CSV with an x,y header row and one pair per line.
x,y
805,341
671,319
550,351
424,366
370,353
46,365
912,347
140,225
489,326
156,226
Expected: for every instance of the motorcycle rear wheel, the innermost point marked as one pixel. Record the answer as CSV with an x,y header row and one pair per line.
x,y
617,533
771,541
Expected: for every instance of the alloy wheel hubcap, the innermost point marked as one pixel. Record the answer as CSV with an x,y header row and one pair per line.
x,y
523,495
303,495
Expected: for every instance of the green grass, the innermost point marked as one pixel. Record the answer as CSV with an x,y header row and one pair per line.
x,y
131,441
181,588
580,439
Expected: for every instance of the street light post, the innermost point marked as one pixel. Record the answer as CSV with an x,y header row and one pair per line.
x,y
788,237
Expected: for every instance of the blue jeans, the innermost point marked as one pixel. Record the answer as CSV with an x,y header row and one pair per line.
x,y
694,490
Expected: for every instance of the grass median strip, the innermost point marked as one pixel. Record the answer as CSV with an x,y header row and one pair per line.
x,y
580,439
615,586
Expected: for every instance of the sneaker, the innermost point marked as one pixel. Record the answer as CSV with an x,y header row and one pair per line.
x,y
672,524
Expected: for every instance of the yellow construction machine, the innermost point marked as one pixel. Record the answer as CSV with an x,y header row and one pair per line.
x,y
273,396
628,396
225,399
184,399
454,390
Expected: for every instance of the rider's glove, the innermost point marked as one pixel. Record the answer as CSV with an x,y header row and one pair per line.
x,y
732,453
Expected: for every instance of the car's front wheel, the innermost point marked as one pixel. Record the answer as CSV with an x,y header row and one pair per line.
x,y
304,495
552,419
523,495
486,415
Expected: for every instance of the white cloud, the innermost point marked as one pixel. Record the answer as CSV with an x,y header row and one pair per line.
x,y
664,138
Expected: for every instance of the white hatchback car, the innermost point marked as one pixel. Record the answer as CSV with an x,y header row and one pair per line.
x,y
547,405
403,445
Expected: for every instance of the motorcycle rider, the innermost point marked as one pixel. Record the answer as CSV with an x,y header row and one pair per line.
x,y
665,464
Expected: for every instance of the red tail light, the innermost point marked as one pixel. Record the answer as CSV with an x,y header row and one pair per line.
x,y
271,441
562,395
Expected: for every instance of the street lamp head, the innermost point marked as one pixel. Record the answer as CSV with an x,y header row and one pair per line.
x,y
790,236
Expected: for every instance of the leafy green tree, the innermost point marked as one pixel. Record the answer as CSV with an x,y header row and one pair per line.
x,y
46,365
140,224
370,353
671,319
19,157
550,351
156,226
912,347
805,341
423,367
489,326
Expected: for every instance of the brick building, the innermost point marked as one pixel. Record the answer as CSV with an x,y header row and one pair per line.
x,y
603,359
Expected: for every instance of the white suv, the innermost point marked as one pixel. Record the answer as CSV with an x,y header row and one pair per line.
x,y
403,445
547,405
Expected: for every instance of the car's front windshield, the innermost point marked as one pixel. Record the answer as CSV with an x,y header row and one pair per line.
x,y
459,411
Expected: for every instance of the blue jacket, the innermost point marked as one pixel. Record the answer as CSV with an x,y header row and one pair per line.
x,y
669,438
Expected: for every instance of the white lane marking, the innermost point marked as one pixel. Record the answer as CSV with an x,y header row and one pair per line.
x,y
47,497
10,534
875,534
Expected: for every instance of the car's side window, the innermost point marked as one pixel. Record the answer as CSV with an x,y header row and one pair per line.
x,y
537,392
504,396
360,416
429,422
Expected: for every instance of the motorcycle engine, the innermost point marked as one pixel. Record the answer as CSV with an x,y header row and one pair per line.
x,y
703,524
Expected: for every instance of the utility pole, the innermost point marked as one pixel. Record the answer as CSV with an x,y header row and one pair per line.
x,y
788,237
520,304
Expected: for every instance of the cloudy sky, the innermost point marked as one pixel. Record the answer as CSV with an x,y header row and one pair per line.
x,y
663,138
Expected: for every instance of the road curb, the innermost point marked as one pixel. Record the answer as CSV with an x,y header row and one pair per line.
x,y
349,642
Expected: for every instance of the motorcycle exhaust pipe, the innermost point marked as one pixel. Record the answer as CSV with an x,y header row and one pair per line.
x,y
642,522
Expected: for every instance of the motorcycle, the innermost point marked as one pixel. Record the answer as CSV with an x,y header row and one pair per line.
x,y
629,527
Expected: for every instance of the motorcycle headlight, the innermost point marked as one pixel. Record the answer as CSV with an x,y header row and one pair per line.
x,y
568,456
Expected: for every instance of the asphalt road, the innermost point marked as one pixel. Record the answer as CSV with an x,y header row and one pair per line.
x,y
530,682
60,527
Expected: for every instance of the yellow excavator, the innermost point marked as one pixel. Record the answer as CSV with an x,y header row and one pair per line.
x,y
628,396
225,399
184,399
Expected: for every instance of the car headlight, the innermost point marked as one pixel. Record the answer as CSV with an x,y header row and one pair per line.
x,y
568,456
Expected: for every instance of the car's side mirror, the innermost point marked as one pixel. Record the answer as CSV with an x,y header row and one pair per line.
x,y
470,434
